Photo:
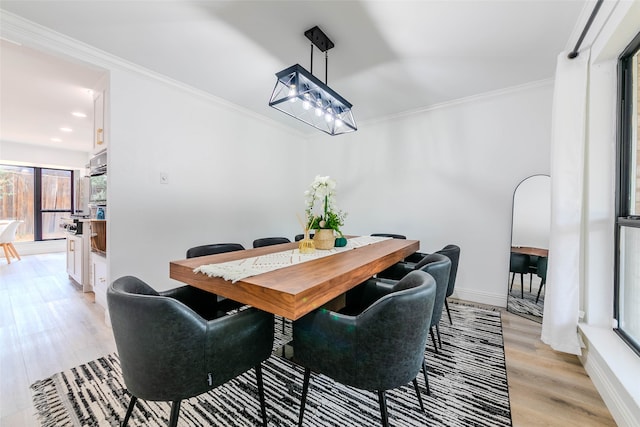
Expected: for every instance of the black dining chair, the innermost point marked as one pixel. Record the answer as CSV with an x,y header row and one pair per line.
x,y
170,350
437,265
378,349
533,269
453,253
222,304
299,237
268,241
518,264
541,272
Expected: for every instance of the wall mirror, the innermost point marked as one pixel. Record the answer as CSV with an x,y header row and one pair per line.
x,y
531,217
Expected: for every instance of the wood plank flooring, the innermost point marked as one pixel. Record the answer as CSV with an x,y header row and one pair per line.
x,y
48,325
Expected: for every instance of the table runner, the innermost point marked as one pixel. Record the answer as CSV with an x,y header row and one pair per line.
x,y
247,267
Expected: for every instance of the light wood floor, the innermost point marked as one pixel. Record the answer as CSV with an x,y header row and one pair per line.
x,y
48,325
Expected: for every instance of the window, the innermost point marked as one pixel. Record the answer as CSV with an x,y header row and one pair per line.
x,y
37,196
627,295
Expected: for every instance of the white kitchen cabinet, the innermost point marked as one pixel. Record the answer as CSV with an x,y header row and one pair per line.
x,y
78,260
100,281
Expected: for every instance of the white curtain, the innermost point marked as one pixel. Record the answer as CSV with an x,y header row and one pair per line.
x,y
568,145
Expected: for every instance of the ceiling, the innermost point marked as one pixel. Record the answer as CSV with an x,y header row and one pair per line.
x,y
390,57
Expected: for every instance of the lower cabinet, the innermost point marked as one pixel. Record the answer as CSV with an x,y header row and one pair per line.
x,y
77,260
100,282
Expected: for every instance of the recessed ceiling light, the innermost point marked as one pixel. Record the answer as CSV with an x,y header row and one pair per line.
x,y
66,129
78,114
56,139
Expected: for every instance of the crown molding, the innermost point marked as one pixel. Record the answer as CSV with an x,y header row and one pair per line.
x,y
15,29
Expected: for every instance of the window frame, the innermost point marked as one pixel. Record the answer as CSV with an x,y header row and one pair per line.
x,y
626,109
37,199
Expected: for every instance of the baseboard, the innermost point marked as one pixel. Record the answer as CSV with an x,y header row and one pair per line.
x,y
614,369
43,247
481,297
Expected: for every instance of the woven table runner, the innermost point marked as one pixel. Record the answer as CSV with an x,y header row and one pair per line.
x,y
247,267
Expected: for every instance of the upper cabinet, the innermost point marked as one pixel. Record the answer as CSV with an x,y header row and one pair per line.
x,y
99,134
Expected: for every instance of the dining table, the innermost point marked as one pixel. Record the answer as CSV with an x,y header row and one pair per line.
x,y
295,290
528,250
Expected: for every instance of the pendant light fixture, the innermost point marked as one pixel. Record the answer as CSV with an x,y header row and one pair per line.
x,y
300,94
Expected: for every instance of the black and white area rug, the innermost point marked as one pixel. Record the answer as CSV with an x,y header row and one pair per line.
x,y
467,377
524,302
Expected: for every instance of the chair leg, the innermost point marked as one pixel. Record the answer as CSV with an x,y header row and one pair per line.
x,y
530,281
446,305
415,385
513,276
132,404
521,285
438,333
433,338
14,250
175,412
305,389
263,407
426,378
7,255
539,289
383,408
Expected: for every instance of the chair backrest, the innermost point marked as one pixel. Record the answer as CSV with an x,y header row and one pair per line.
x,y
8,233
299,237
168,352
519,263
159,341
438,266
268,241
453,253
395,236
380,348
542,267
214,248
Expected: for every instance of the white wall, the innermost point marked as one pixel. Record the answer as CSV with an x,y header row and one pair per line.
x,y
446,175
232,177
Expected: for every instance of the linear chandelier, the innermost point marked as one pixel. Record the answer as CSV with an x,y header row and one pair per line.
x,y
301,95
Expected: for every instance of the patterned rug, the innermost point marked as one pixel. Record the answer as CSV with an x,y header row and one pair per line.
x,y
527,306
467,377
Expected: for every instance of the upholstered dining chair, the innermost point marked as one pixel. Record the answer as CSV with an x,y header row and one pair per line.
x,y
169,351
436,264
268,241
541,272
533,269
222,304
453,253
518,264
299,237
393,236
7,237
379,349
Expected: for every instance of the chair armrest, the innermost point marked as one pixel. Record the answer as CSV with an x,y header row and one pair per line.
x,y
237,342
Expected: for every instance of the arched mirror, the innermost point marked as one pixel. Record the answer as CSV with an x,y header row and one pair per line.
x,y
529,247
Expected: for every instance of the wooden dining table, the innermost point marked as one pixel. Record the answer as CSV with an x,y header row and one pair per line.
x,y
296,290
528,250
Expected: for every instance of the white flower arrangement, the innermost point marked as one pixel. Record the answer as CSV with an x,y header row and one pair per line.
x,y
330,217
